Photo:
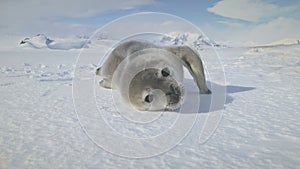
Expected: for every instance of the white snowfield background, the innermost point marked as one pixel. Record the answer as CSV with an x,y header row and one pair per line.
x,y
39,128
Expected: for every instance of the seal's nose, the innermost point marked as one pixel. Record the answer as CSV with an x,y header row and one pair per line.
x,y
175,90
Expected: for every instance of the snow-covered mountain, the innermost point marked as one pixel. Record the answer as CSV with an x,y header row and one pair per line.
x,y
40,41
201,42
205,41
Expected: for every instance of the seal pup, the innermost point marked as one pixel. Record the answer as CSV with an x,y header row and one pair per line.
x,y
148,76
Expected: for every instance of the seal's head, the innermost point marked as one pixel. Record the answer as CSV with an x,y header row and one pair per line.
x,y
155,89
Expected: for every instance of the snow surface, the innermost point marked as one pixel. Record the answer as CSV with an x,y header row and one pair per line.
x,y
39,127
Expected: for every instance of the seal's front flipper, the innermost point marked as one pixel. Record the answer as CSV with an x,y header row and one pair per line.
x,y
105,83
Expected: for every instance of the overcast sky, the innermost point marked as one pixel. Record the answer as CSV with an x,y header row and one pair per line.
x,y
260,21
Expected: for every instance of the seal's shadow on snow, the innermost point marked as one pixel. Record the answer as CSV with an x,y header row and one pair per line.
x,y
212,102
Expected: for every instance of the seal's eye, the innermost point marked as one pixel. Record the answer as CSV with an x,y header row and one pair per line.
x,y
165,72
149,98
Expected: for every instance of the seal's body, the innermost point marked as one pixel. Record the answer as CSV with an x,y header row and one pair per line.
x,y
150,77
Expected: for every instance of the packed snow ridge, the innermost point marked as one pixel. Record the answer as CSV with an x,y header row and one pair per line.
x,y
40,41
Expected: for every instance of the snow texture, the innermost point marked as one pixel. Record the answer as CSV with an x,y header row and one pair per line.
x,y
39,127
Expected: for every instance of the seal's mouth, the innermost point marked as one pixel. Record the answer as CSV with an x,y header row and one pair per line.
x,y
174,97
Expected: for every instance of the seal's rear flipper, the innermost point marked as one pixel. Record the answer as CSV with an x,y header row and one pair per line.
x,y
98,71
193,63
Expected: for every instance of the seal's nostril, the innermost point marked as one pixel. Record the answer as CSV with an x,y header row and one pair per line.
x,y
175,89
165,72
149,98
